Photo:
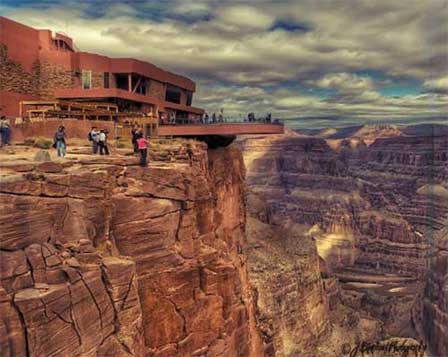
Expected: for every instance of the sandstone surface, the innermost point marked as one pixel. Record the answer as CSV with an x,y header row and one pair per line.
x,y
100,257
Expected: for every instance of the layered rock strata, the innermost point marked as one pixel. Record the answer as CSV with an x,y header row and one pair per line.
x,y
378,215
103,257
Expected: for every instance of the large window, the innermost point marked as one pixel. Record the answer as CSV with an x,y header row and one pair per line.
x,y
86,79
122,81
189,98
106,80
172,94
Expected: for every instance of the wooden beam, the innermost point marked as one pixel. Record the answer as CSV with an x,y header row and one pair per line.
x,y
36,102
137,84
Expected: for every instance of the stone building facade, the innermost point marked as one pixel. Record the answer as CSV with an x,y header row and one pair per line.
x,y
41,65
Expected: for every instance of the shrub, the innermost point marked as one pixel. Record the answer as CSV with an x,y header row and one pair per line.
x,y
42,143
29,142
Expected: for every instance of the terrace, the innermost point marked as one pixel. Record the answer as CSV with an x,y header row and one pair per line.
x,y
41,111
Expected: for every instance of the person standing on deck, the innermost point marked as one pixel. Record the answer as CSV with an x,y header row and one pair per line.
x,y
93,137
142,144
59,142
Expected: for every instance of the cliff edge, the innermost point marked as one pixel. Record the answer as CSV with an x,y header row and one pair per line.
x,y
102,257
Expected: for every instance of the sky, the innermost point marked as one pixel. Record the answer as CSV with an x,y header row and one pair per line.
x,y
315,63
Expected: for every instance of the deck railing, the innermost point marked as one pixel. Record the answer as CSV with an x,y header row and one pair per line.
x,y
185,121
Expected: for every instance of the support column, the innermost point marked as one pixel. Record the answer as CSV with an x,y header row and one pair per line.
x,y
130,82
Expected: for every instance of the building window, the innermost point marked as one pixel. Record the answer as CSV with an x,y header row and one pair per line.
x,y
172,94
189,98
86,79
121,81
106,80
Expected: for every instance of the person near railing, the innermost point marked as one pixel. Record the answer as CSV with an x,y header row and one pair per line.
x,y
172,118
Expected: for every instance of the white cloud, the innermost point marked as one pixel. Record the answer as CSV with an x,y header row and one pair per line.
x,y
238,61
192,8
437,85
345,82
243,16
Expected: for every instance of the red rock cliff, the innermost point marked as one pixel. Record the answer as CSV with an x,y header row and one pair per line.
x,y
102,257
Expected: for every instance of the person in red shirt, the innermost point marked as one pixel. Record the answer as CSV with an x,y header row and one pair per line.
x,y
142,144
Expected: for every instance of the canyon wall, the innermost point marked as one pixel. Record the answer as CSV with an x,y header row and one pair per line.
x,y
378,215
324,248
103,257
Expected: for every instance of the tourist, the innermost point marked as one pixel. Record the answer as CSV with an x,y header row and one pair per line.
x,y
59,142
102,142
206,118
4,129
142,144
135,135
214,118
93,137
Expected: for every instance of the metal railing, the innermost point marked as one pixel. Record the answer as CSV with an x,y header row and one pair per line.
x,y
186,121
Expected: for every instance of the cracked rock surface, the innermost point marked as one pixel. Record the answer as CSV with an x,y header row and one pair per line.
x,y
100,257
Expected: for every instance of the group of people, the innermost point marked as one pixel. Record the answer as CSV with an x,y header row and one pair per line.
x,y
220,118
140,144
98,138
4,130
251,118
215,118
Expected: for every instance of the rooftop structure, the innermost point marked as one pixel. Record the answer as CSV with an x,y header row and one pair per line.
x,y
41,65
43,75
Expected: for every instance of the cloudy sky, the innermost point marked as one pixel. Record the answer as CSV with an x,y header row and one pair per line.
x,y
315,62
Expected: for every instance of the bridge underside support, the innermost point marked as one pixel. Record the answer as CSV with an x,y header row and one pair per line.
x,y
215,141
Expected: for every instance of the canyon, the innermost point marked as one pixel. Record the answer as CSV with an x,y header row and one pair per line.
x,y
367,219
281,245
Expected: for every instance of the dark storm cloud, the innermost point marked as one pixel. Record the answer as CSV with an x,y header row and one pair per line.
x,y
278,56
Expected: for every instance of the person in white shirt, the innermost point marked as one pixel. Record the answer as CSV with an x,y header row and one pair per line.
x,y
93,137
102,142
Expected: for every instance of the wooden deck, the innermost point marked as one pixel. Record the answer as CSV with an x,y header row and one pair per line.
x,y
220,129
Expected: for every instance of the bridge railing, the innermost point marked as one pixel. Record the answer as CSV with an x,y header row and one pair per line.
x,y
185,121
